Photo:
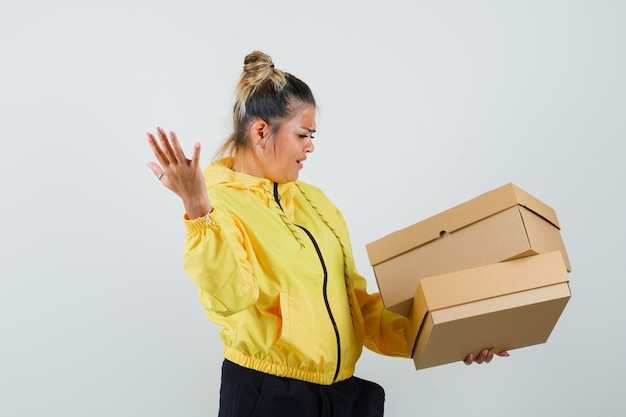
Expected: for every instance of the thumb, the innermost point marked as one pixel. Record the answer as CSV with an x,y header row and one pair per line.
x,y
155,168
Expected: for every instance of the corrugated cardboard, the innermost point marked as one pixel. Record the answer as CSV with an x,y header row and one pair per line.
x,y
506,305
503,224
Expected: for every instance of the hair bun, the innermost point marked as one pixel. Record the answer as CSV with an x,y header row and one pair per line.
x,y
257,61
258,70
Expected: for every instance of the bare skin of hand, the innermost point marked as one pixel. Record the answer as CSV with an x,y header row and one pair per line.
x,y
181,175
485,356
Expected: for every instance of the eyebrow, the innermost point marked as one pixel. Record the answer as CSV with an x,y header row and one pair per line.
x,y
308,129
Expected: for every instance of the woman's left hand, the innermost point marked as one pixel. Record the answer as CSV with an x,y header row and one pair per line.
x,y
485,356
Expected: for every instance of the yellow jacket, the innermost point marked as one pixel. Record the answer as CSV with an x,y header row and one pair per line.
x,y
275,269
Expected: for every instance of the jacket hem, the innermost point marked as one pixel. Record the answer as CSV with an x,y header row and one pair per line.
x,y
282,370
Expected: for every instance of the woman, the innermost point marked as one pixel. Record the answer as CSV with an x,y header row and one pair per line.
x,y
273,261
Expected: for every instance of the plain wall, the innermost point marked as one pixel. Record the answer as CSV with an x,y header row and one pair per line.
x,y
422,105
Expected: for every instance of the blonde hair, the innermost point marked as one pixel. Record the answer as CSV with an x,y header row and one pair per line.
x,y
263,92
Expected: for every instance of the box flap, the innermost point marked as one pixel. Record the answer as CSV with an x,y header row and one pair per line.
x,y
456,218
501,303
475,284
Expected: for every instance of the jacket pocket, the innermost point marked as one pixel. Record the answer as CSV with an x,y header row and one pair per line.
x,y
304,322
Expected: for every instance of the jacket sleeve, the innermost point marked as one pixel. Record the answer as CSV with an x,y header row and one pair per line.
x,y
216,260
384,330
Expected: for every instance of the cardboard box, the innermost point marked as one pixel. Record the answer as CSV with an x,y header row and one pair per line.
x,y
503,224
506,305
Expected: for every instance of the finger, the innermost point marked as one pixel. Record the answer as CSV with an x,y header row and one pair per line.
x,y
167,147
503,354
156,149
469,359
155,168
489,356
176,149
481,357
195,158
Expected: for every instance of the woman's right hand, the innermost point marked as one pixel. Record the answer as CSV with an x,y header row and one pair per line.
x,y
181,175
486,355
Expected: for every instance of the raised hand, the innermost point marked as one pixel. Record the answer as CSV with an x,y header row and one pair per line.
x,y
178,173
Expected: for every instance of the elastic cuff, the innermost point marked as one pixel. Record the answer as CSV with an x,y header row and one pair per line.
x,y
201,223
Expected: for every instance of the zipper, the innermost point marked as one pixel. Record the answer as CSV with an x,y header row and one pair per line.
x,y
324,286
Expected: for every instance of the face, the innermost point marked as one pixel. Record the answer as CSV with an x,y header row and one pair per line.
x,y
280,156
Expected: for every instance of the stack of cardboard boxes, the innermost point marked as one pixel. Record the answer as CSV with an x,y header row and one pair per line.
x,y
491,272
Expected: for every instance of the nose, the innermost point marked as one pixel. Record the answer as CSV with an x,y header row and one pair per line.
x,y
309,147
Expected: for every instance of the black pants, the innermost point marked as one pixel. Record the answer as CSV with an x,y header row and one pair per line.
x,y
249,393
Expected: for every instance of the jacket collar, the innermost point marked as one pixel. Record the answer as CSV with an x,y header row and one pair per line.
x,y
220,173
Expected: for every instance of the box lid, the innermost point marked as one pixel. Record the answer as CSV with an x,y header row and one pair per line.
x,y
456,218
481,283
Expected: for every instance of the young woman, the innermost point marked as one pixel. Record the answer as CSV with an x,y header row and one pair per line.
x,y
273,261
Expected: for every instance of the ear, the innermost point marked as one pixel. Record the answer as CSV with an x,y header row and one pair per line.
x,y
258,131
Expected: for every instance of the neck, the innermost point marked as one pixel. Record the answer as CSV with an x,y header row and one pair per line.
x,y
245,163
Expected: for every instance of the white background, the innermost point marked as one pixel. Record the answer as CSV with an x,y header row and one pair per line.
x,y
422,105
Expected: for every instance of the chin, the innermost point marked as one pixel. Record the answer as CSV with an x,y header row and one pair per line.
x,y
291,177
286,179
